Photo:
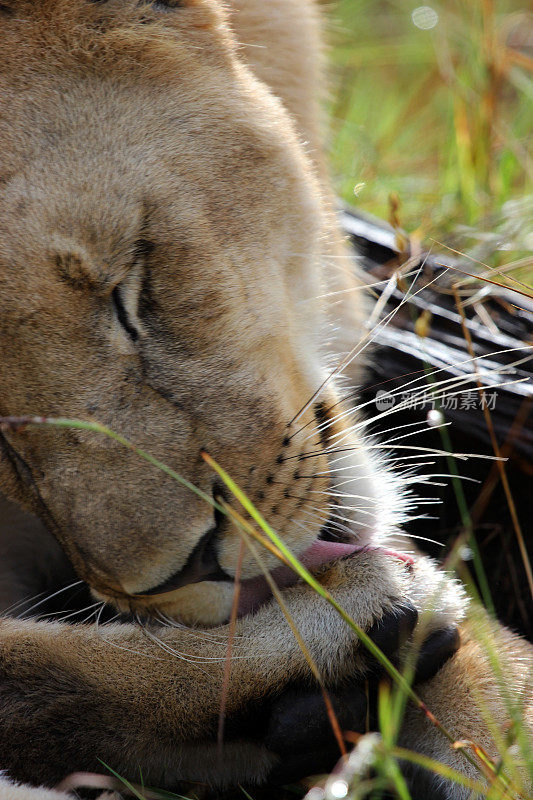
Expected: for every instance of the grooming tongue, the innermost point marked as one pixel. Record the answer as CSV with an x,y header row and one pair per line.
x,y
254,592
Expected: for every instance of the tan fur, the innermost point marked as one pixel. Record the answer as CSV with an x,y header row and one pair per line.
x,y
176,155
208,169
163,724
475,705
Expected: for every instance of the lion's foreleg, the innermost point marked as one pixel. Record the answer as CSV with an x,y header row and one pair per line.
x,y
151,698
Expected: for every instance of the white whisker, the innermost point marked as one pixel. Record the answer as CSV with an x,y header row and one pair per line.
x,y
51,596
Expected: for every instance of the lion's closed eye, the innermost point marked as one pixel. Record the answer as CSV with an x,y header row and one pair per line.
x,y
125,297
123,312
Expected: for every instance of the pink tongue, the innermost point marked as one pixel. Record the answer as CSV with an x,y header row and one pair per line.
x,y
256,591
322,552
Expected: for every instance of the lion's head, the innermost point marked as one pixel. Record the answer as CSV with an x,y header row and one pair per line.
x,y
160,245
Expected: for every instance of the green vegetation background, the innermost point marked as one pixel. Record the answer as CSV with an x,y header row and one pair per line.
x,y
439,121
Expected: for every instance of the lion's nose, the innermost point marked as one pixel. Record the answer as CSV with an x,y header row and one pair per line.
x,y
202,565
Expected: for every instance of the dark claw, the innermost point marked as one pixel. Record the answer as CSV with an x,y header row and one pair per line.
x,y
393,629
299,729
435,651
299,721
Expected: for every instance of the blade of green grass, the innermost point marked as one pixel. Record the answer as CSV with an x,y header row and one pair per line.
x,y
16,423
147,794
305,575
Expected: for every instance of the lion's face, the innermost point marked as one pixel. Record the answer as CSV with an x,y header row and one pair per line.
x,y
159,246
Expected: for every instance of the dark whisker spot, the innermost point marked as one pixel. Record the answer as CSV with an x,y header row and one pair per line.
x,y
321,415
301,500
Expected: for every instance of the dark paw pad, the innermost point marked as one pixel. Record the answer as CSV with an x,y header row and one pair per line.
x,y
393,629
299,722
435,651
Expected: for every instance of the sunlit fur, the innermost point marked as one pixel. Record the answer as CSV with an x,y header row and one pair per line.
x,y
151,158
173,155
